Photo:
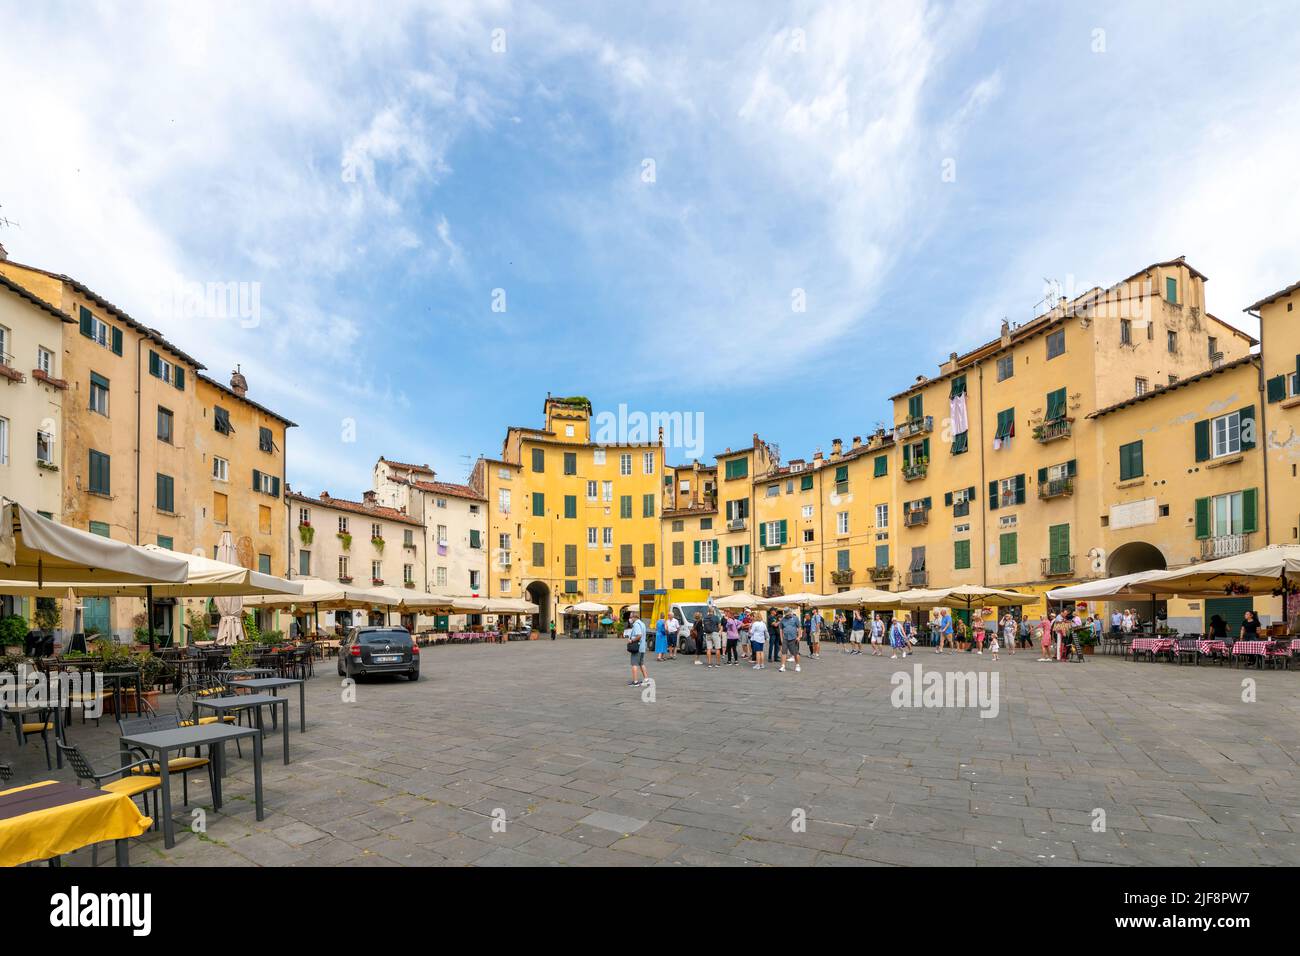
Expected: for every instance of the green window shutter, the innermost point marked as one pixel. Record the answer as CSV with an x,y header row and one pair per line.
x,y
1202,431
570,506
539,504
88,323
947,499
882,466
782,532
907,456
1042,476
648,506
961,555
1020,489
473,537
915,408
993,496
729,561
257,480
1247,431
762,535
178,378
275,486
925,448
806,483
958,387
1058,540
117,340
925,502
1171,290
959,443
1277,388
715,550
625,506
1202,517
842,473
970,494
97,379
697,552
1130,461
539,460
1249,507
155,366
1072,468
1056,405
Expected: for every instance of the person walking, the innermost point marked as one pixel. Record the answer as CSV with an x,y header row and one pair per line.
x,y
635,635
790,637
712,637
857,630
816,624
945,631
661,639
671,627
758,641
898,636
877,635
732,626
697,636
1044,635
993,646
838,634
1009,625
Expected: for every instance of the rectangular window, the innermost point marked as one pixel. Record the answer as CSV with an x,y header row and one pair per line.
x,y
648,555
1006,367
503,500
440,577
1125,332
598,456
882,516
304,562
1226,433
607,491
625,506
1130,461
1171,290
45,361
806,511
1055,406
1227,515
882,555
593,538
539,460
221,420
1171,338
265,439
842,522
607,537
1139,386
343,526
679,553
220,508
264,563
165,497
475,538
44,444
961,555
571,559
737,468
1007,548
539,504
809,573
539,554
1006,425
593,491
842,559
570,506
1056,343
166,423
881,466
343,568
98,394
100,528
220,469
625,464
570,463
100,479
264,519
648,505
648,463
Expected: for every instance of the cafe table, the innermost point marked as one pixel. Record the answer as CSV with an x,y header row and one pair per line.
x,y
160,743
42,821
254,702
273,684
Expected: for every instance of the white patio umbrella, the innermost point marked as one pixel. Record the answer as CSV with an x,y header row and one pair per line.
x,y
319,595
1252,572
585,607
859,597
1123,585
801,599
34,548
738,601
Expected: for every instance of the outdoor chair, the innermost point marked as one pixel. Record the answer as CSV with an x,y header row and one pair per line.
x,y
187,711
6,772
182,765
131,782
25,726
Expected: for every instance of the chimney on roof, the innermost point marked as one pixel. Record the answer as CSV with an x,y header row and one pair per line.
x,y
1005,334
324,496
857,441
817,457
368,498
837,447
238,384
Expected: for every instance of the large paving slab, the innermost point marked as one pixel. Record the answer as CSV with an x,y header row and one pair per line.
x,y
540,754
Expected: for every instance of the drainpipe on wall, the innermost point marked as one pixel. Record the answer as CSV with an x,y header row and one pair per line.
x,y
1261,440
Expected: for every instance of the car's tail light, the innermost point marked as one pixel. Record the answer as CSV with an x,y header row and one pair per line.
x,y
415,650
355,650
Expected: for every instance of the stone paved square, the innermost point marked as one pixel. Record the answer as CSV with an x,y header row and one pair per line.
x,y
713,772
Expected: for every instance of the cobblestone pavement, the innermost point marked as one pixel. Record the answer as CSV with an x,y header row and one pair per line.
x,y
720,767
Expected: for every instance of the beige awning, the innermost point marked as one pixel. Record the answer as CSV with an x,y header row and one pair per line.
x,y
972,595
1253,572
790,600
861,597
409,599
33,548
585,607
493,606
738,601
325,595
1120,586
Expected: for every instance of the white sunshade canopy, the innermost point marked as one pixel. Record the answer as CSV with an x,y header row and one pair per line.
x,y
409,599
585,607
33,548
1123,585
860,597
791,600
493,606
738,601
205,578
326,595
1257,572
970,595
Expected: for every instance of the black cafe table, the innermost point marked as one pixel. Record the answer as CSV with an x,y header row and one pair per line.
x,y
254,702
160,743
273,684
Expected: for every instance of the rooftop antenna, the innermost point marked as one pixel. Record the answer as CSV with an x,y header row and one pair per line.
x,y
467,463
1052,290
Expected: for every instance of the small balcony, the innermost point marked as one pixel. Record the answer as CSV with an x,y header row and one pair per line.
x,y
914,470
773,590
914,426
882,572
7,369
918,579
842,577
738,570
1057,565
916,517
1056,488
1051,431
1224,546
626,571
736,524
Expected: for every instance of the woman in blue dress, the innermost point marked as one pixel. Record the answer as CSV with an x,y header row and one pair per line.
x,y
661,639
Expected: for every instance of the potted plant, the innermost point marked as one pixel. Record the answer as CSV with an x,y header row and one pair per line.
x,y
13,633
346,539
378,542
155,673
306,533
1087,640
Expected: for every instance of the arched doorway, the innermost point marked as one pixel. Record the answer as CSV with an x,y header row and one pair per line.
x,y
1134,557
540,594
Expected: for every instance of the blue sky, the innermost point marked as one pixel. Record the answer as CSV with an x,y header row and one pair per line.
x,y
380,170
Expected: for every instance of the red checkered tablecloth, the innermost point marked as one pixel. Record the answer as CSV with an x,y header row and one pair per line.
x,y
1212,647
1252,647
1156,645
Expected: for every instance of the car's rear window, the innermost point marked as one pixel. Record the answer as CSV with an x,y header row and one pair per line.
x,y
389,635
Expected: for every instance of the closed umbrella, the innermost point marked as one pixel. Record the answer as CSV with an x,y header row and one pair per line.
x,y
231,628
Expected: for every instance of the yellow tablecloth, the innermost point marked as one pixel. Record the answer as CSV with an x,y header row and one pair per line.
x,y
51,832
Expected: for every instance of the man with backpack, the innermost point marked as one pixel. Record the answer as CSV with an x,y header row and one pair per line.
x,y
712,637
790,636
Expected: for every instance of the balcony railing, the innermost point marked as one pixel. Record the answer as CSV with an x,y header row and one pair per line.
x,y
842,577
1057,565
918,579
916,517
738,570
773,590
882,572
1050,431
1224,546
914,426
915,470
736,524
626,571
1056,487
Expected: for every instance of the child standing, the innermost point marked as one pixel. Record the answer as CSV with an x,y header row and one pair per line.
x,y
993,647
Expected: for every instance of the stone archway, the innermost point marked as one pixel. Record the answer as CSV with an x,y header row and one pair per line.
x,y
1133,557
540,594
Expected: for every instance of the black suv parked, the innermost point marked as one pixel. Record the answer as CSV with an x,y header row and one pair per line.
x,y
379,650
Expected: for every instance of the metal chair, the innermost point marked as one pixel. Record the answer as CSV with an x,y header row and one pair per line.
x,y
132,782
43,725
182,765
187,710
